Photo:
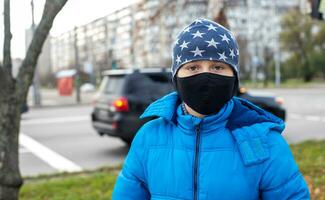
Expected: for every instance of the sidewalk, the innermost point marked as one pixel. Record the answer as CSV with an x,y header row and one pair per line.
x,y
51,98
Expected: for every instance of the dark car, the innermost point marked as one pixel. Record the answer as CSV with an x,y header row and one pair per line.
x,y
124,95
122,98
264,100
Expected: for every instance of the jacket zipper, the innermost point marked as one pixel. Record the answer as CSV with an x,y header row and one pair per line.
x,y
196,161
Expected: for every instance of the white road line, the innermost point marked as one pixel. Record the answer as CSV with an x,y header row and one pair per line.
x,y
23,150
313,118
307,117
52,158
295,116
56,120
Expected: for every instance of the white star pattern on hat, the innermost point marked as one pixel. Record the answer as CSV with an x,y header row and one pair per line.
x,y
232,36
211,27
187,29
212,43
198,21
232,54
222,56
225,38
197,51
178,60
197,34
184,45
205,40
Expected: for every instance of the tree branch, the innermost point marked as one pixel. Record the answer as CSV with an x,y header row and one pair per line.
x,y
27,69
7,39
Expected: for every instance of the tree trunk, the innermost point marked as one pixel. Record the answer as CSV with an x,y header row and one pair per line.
x,y
10,178
308,77
267,61
13,94
307,70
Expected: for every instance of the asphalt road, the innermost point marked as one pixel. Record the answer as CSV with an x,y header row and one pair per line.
x,y
305,113
62,139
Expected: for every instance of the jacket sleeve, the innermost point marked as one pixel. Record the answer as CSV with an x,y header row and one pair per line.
x,y
131,181
281,178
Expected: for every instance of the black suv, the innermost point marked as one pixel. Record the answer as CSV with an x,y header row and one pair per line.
x,y
125,94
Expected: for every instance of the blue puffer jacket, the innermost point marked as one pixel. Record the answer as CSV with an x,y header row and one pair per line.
x,y
238,153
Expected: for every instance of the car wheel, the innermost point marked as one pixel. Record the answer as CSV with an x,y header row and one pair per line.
x,y
100,133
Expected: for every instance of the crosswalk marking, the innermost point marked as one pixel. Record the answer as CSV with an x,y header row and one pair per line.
x,y
307,117
52,158
56,120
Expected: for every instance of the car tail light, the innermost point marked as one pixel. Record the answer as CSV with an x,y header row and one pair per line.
x,y
279,100
121,104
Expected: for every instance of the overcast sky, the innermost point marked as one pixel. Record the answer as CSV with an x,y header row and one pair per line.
x,y
75,12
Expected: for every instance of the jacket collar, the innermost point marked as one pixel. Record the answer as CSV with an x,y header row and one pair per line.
x,y
243,113
188,123
240,113
248,124
169,107
164,107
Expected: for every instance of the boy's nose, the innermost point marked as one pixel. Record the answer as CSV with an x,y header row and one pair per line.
x,y
205,68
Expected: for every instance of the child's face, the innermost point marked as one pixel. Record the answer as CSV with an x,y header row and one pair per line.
x,y
197,67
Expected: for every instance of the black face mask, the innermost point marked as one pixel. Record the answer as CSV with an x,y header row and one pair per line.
x,y
206,93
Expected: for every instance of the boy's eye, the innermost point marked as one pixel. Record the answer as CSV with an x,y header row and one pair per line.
x,y
193,68
217,67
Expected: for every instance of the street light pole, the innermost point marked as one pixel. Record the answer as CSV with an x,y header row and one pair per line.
x,y
277,54
251,11
77,66
36,82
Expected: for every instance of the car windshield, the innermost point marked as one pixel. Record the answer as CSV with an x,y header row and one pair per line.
x,y
148,87
112,84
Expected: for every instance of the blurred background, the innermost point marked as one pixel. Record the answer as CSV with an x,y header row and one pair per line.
x,y
100,53
279,41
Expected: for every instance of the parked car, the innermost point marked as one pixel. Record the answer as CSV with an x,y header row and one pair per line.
x,y
124,95
264,100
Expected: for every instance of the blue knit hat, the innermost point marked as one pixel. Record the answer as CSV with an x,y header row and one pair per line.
x,y
205,40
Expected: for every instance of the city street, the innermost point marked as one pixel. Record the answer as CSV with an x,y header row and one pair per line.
x,y
61,138
65,141
305,112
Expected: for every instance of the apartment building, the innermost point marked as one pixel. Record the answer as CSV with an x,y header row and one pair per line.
x,y
141,34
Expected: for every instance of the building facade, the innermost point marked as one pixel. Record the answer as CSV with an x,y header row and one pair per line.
x,y
141,34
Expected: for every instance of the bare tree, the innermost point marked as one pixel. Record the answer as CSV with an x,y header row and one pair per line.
x,y
13,93
221,18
